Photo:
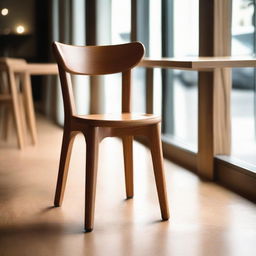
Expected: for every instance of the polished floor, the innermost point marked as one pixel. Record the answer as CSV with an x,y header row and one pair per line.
x,y
206,219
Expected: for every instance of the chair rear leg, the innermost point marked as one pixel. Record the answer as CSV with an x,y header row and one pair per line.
x,y
29,106
7,115
157,158
66,148
92,147
16,110
128,165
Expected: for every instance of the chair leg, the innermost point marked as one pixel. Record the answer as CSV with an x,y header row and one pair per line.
x,y
16,110
22,114
92,146
66,148
128,165
6,122
157,158
29,105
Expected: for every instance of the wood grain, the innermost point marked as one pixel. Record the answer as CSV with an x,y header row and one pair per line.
x,y
200,63
98,60
12,95
207,218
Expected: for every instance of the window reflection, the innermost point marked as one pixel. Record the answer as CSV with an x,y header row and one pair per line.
x,y
243,88
180,117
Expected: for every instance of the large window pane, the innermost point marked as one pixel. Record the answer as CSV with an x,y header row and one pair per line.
x,y
120,33
155,50
180,113
243,89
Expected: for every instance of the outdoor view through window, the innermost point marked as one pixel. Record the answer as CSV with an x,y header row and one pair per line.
x,y
243,88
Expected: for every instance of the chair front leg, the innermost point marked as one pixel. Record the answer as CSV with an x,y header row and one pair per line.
x,y
128,164
92,147
157,158
66,148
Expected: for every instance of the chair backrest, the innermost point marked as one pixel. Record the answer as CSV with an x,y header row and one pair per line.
x,y
96,60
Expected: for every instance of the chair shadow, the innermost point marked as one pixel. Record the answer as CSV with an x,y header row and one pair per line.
x,y
47,209
48,227
33,229
39,230
158,221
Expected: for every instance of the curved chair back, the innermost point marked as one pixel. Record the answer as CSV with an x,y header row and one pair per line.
x,y
96,60
100,60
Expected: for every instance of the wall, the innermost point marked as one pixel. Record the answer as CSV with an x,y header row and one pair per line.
x,y
20,13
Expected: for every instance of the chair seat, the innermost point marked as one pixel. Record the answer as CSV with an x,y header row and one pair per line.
x,y
103,60
118,120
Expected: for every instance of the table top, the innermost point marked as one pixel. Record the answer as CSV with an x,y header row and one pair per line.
x,y
187,63
42,68
36,68
199,63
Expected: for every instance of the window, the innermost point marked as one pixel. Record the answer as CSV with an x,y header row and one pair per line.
x,y
180,87
119,33
243,88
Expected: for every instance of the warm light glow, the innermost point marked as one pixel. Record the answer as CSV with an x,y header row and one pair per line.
x,y
20,29
4,11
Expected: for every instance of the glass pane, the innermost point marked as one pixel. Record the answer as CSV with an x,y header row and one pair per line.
x,y
120,34
81,83
121,21
155,51
243,88
180,115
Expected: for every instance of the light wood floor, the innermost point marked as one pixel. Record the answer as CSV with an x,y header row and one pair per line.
x,y
205,219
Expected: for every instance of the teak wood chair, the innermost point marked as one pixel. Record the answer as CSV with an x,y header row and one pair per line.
x,y
101,60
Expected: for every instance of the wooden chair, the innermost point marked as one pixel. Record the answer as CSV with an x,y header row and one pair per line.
x,y
11,95
100,60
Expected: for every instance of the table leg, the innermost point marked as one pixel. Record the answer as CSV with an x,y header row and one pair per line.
x,y
205,125
29,105
150,90
16,109
214,119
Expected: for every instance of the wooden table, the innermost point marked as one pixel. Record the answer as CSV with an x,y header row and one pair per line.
x,y
26,71
199,63
37,68
208,94
214,119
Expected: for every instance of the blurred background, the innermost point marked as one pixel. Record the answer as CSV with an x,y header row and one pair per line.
x,y
167,28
